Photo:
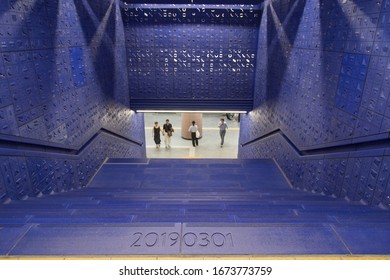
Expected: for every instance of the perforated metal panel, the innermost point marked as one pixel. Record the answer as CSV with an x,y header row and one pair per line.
x,y
191,57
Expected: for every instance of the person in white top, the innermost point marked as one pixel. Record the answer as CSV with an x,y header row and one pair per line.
x,y
193,129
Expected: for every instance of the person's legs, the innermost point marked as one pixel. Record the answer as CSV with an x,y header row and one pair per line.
x,y
169,141
193,137
157,140
222,133
166,140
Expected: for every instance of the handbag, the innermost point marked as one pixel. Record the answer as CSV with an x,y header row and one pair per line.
x,y
197,134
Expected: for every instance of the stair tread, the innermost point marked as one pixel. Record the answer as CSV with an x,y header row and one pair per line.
x,y
237,192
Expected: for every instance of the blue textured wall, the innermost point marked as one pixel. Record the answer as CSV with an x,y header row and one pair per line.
x,y
177,54
63,76
322,80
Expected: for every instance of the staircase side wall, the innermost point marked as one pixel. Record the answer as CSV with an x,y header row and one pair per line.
x,y
322,79
63,78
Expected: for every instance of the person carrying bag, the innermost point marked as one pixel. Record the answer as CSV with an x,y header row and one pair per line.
x,y
194,134
168,132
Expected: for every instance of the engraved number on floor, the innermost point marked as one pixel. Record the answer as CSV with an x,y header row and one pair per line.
x,y
189,239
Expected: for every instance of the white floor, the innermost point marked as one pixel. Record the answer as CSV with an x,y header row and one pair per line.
x,y
209,144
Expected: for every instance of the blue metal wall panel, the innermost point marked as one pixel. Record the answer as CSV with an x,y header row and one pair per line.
x,y
327,84
77,65
190,54
57,86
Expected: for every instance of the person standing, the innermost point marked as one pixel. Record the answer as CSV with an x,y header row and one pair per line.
x,y
193,129
168,129
222,130
156,134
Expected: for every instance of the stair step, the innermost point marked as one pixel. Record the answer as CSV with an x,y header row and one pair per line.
x,y
129,192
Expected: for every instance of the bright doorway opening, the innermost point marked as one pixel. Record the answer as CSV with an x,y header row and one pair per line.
x,y
209,144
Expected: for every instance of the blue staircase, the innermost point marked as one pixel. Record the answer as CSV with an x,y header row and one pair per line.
x,y
190,206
